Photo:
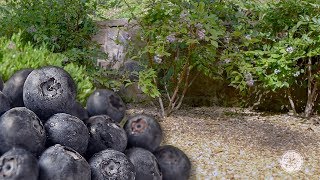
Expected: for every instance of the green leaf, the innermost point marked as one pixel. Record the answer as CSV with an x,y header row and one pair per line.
x,y
215,44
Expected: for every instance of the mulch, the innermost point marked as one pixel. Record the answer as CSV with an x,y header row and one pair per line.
x,y
236,143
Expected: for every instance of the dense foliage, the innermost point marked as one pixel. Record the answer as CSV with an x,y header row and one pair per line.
x,y
275,47
65,26
258,47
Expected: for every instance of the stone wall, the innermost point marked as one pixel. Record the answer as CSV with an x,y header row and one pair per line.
x,y
114,36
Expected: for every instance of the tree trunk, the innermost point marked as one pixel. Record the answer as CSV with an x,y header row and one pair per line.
x,y
312,92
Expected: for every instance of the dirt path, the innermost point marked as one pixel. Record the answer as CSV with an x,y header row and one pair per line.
x,y
230,143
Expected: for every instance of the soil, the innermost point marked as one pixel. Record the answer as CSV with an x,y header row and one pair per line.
x,y
236,143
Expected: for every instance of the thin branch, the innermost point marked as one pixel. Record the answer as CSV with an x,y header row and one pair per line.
x,y
160,100
310,91
184,89
182,75
258,101
292,103
161,107
175,102
174,96
167,92
309,77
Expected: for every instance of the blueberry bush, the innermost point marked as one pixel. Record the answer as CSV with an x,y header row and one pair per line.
x,y
275,47
181,38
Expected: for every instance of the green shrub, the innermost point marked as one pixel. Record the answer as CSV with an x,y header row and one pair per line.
x,y
65,26
275,48
181,37
15,55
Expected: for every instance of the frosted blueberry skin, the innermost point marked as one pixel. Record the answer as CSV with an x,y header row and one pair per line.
x,y
105,134
18,164
4,103
145,164
111,164
67,130
20,127
61,163
106,102
143,131
13,88
173,162
48,91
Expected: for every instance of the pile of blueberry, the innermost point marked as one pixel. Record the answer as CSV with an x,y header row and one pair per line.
x,y
46,134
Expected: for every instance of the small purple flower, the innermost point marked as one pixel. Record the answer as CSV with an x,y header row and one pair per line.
x,y
277,71
199,26
171,38
290,49
249,79
250,83
248,37
296,74
32,29
201,34
157,59
184,18
11,45
248,76
227,61
183,15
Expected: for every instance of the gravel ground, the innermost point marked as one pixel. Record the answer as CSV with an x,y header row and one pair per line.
x,y
234,143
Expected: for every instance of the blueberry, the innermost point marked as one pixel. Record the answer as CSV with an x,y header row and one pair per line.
x,y
20,127
106,102
4,103
104,134
1,83
145,163
111,164
18,164
49,90
67,130
173,162
63,163
13,88
143,131
78,111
